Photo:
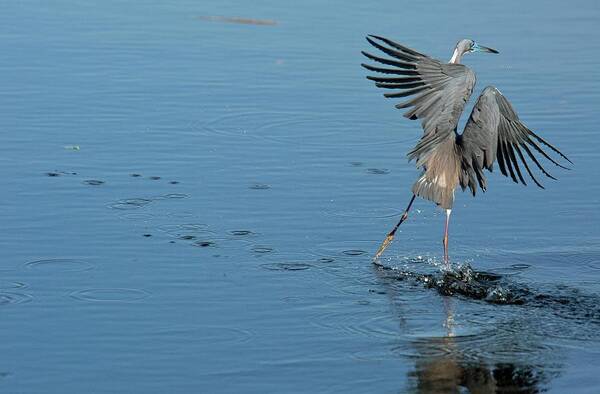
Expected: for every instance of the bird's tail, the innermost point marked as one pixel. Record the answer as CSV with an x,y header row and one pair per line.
x,y
437,190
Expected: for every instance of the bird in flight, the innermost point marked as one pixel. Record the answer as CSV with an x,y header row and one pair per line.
x,y
437,94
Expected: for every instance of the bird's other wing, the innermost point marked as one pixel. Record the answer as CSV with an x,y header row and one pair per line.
x,y
494,132
440,90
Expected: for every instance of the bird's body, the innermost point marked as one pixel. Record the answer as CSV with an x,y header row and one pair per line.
x,y
448,159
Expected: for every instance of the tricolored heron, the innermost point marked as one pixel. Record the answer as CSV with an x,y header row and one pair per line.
x,y
448,159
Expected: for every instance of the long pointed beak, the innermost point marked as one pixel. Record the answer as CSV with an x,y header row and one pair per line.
x,y
490,50
481,48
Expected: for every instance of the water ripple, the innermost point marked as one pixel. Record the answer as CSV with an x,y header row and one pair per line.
x,y
59,265
259,186
189,230
259,249
8,298
141,216
354,252
332,249
130,203
110,295
171,196
286,266
378,171
204,244
356,319
276,126
206,334
93,182
374,213
11,285
241,233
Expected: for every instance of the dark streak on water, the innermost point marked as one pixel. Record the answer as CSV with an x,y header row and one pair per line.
x,y
93,182
262,249
241,233
286,266
204,244
260,186
378,171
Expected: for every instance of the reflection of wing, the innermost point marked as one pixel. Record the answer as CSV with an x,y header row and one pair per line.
x,y
494,131
441,90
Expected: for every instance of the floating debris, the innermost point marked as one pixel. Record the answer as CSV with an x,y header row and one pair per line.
x,y
71,147
241,21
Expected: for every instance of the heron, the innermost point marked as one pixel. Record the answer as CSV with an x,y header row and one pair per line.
x,y
437,93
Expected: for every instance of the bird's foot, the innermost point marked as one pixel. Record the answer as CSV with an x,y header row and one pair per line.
x,y
386,242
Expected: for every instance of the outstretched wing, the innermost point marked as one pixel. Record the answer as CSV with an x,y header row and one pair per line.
x,y
440,90
494,132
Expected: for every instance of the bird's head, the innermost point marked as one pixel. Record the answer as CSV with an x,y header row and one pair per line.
x,y
466,46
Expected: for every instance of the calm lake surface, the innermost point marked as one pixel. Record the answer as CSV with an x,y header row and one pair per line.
x,y
191,203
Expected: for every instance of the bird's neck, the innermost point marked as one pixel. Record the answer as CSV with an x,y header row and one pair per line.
x,y
456,57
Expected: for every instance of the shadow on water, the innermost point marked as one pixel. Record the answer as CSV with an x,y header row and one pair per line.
x,y
521,330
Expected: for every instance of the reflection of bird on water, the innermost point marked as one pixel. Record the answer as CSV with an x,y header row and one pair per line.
x,y
450,374
512,362
448,159
448,369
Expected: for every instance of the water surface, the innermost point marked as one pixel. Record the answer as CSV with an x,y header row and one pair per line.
x,y
192,193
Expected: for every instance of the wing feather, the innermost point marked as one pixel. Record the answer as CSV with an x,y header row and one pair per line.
x,y
494,131
440,91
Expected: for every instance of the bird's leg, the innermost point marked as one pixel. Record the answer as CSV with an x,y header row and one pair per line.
x,y
445,240
390,237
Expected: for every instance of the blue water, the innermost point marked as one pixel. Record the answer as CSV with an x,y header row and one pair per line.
x,y
190,204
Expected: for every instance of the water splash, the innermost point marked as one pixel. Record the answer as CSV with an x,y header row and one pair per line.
x,y
463,281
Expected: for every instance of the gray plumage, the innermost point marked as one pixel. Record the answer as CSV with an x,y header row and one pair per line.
x,y
438,93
